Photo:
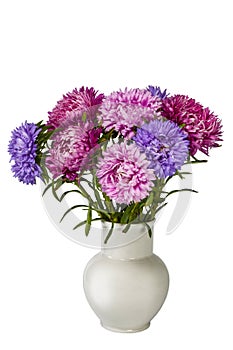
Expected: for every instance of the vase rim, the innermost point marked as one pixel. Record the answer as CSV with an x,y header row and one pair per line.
x,y
116,237
120,225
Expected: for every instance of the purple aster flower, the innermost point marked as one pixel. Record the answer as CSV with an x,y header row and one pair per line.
x,y
125,110
156,91
70,147
77,101
26,171
22,148
203,127
124,173
165,146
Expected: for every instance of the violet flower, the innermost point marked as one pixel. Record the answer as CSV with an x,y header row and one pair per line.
x,y
165,146
22,148
157,92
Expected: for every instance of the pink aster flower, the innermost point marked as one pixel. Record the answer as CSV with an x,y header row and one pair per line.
x,y
203,127
124,173
123,110
70,148
76,101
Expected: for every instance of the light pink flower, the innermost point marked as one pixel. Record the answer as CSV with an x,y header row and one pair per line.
x,y
123,173
125,110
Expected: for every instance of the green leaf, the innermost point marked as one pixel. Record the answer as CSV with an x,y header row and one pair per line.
x,y
182,190
46,189
87,229
127,227
70,209
84,117
195,160
149,230
84,193
169,178
97,195
136,210
178,173
88,224
102,211
182,125
58,183
109,233
44,176
107,136
84,222
39,123
87,181
80,224
125,216
150,199
55,186
96,192
67,192
160,207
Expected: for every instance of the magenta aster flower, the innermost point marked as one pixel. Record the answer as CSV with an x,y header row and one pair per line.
x,y
203,127
124,173
123,110
70,148
76,101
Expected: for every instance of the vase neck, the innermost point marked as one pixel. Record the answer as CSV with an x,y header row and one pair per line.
x,y
135,244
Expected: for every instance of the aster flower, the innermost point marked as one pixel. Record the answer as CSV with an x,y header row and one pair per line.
x,y
123,110
124,174
165,146
156,91
76,101
26,171
22,148
203,127
70,146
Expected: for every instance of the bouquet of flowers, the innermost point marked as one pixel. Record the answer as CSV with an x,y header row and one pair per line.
x,y
119,151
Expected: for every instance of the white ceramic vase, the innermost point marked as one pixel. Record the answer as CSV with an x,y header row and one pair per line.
x,y
126,284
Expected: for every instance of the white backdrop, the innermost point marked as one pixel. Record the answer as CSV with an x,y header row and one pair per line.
x,y
50,47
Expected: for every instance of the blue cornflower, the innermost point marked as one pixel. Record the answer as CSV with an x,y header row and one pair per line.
x,y
165,145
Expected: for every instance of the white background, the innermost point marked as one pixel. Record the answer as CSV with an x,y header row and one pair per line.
x,y
50,47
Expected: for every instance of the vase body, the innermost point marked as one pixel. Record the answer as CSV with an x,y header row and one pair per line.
x,y
126,284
